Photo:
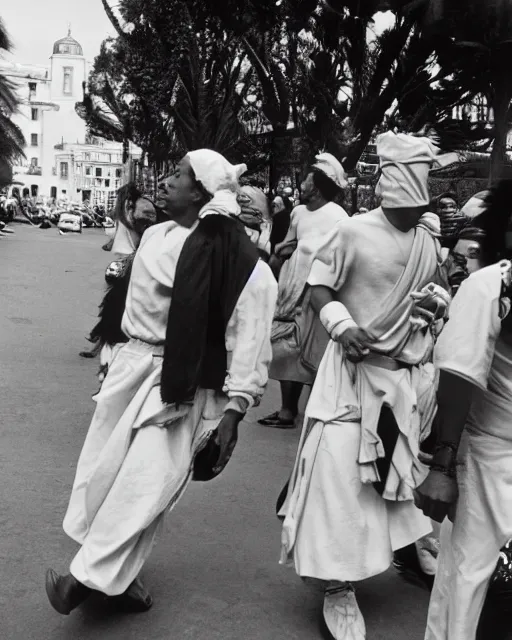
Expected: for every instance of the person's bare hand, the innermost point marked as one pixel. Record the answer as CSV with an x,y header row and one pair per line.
x,y
227,437
355,343
437,496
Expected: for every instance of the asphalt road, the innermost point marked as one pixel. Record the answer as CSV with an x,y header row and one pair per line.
x,y
214,573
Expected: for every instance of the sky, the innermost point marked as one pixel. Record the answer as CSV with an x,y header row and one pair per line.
x,y
34,25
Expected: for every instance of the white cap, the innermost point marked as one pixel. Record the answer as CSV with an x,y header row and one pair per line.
x,y
333,169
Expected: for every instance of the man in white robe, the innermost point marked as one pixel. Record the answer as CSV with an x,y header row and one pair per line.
x,y
471,473
350,500
140,451
297,344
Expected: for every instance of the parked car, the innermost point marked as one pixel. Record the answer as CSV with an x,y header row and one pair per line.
x,y
70,221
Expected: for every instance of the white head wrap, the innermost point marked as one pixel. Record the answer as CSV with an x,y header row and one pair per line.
x,y
405,162
220,178
214,172
333,169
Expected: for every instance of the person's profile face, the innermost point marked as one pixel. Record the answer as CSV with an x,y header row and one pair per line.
x,y
177,190
307,189
277,205
143,208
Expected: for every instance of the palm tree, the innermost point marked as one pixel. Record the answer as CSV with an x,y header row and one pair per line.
x,y
11,138
477,51
170,82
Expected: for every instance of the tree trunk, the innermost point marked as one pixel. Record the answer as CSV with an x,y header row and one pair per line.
x,y
277,133
501,106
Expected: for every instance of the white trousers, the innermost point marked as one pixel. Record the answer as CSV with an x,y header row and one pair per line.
x,y
135,464
470,548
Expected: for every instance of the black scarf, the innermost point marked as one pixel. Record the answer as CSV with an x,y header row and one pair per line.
x,y
214,266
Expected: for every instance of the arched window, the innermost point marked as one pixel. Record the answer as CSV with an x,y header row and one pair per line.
x,y
68,81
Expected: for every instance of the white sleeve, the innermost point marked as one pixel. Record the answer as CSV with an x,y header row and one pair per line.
x,y
248,340
333,259
467,343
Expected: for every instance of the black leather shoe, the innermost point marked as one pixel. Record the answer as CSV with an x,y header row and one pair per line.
x,y
408,566
136,599
65,593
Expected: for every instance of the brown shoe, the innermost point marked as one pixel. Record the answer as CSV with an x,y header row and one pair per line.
x,y
136,599
65,593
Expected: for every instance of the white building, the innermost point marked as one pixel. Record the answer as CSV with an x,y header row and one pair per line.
x,y
58,159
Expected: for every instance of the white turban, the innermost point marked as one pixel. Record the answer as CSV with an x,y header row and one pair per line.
x,y
332,168
214,172
405,163
220,178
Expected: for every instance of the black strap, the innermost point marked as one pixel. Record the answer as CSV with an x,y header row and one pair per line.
x,y
388,432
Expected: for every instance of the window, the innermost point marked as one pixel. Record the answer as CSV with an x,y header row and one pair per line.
x,y
64,169
107,184
34,140
35,114
33,162
88,171
34,190
98,172
87,156
119,173
53,192
32,86
67,88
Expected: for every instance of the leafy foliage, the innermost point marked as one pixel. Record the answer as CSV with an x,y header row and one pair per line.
x,y
169,82
190,73
11,138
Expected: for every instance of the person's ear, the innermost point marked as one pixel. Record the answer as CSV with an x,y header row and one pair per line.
x,y
197,196
129,206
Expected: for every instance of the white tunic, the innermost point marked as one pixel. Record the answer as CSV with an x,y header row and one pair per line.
x,y
473,348
138,455
308,230
337,527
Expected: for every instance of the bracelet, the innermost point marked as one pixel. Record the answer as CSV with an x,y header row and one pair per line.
x,y
450,472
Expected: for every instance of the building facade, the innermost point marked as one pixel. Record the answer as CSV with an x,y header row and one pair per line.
x,y
60,161
90,172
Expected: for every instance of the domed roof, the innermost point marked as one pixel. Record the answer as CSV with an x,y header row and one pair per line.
x,y
68,46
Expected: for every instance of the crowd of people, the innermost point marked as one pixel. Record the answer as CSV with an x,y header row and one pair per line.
x,y
398,322
44,212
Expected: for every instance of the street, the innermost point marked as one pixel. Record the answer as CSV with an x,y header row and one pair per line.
x,y
214,573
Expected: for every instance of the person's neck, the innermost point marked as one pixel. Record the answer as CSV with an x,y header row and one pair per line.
x,y
316,203
186,218
404,219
